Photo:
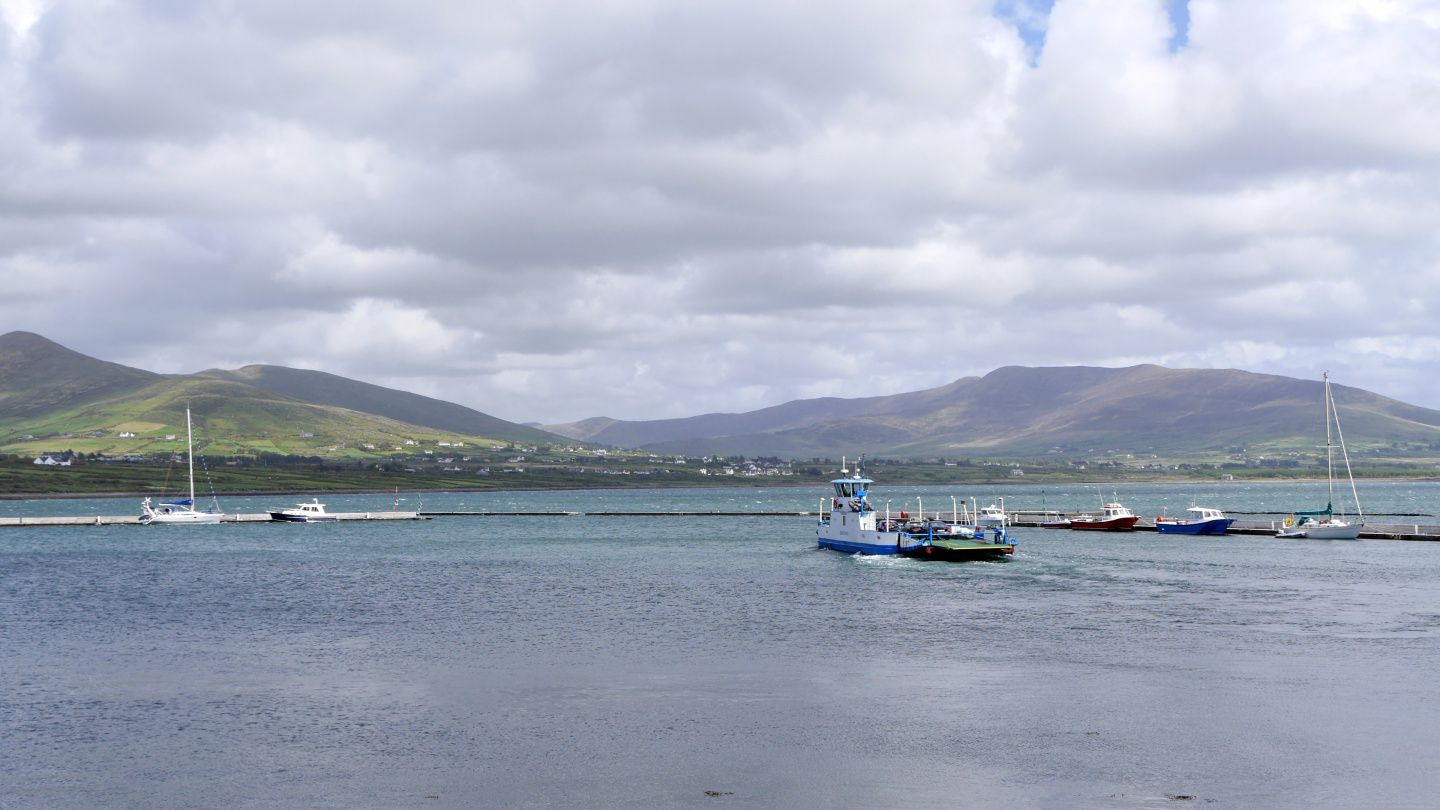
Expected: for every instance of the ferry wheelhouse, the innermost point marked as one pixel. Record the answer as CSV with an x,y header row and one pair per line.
x,y
849,523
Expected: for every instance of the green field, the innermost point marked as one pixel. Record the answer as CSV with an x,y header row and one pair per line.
x,y
229,419
20,476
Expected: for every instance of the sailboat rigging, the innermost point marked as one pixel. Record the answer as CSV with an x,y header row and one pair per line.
x,y
1322,524
180,511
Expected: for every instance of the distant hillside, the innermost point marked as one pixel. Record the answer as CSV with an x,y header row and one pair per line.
x,y
229,417
59,397
1031,411
38,376
789,416
402,406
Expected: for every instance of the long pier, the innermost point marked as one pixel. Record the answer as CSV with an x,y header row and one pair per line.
x,y
1372,531
134,520
1375,531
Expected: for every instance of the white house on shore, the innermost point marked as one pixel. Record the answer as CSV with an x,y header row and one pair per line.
x,y
49,459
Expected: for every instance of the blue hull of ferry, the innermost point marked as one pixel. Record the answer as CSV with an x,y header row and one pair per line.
x,y
850,547
1207,527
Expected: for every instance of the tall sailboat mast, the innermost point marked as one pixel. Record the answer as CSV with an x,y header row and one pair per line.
x,y
190,454
1329,448
1349,473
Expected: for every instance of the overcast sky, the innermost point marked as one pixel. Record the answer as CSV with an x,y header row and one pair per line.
x,y
555,209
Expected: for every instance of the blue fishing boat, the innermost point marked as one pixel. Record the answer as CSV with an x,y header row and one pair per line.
x,y
854,526
1198,520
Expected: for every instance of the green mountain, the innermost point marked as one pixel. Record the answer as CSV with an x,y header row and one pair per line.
x,y
401,406
52,398
1016,411
38,376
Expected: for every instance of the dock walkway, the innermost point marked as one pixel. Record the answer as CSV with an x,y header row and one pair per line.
x,y
1373,531
134,520
1376,531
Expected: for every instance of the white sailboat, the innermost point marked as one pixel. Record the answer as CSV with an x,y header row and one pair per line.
x,y
1322,524
180,511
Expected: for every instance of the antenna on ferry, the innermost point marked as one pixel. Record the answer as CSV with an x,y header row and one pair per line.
x,y
843,468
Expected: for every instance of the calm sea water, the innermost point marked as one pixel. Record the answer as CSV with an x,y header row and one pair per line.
x,y
639,662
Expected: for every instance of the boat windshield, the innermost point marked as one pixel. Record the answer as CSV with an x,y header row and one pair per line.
x,y
847,488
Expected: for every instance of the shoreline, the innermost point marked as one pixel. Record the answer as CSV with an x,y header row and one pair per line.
x,y
48,496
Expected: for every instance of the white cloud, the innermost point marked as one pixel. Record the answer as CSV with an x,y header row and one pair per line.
x,y
643,209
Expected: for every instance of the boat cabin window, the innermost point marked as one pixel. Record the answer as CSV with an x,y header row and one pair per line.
x,y
845,490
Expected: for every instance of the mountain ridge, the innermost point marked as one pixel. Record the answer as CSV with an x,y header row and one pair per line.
x,y
1018,410
325,388
37,374
49,390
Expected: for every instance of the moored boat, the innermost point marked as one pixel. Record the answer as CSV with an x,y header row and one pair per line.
x,y
1113,518
183,512
313,512
992,516
1198,520
175,513
1322,524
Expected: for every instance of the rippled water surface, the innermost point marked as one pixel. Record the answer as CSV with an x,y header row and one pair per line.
x,y
640,662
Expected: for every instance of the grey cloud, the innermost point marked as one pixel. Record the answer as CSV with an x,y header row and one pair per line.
x,y
554,210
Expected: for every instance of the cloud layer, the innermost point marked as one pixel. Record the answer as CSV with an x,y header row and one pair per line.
x,y
553,210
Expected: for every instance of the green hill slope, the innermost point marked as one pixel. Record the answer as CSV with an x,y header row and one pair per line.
x,y
230,418
38,376
58,397
402,406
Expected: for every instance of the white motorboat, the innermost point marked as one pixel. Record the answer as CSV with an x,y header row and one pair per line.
x,y
1322,524
313,512
992,516
180,512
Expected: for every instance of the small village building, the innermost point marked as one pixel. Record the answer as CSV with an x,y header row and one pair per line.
x,y
52,459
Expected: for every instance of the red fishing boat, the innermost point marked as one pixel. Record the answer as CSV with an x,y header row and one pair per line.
x,y
1113,518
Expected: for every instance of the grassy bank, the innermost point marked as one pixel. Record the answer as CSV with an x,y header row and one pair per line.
x,y
20,476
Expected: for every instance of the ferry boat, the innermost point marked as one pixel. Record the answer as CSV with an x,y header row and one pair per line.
x,y
1198,520
854,526
313,512
1113,518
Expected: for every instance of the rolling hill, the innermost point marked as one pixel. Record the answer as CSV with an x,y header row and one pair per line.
x,y
39,376
58,397
1019,411
401,406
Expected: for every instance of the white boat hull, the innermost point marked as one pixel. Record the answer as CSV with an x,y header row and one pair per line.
x,y
849,536
1335,531
182,518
